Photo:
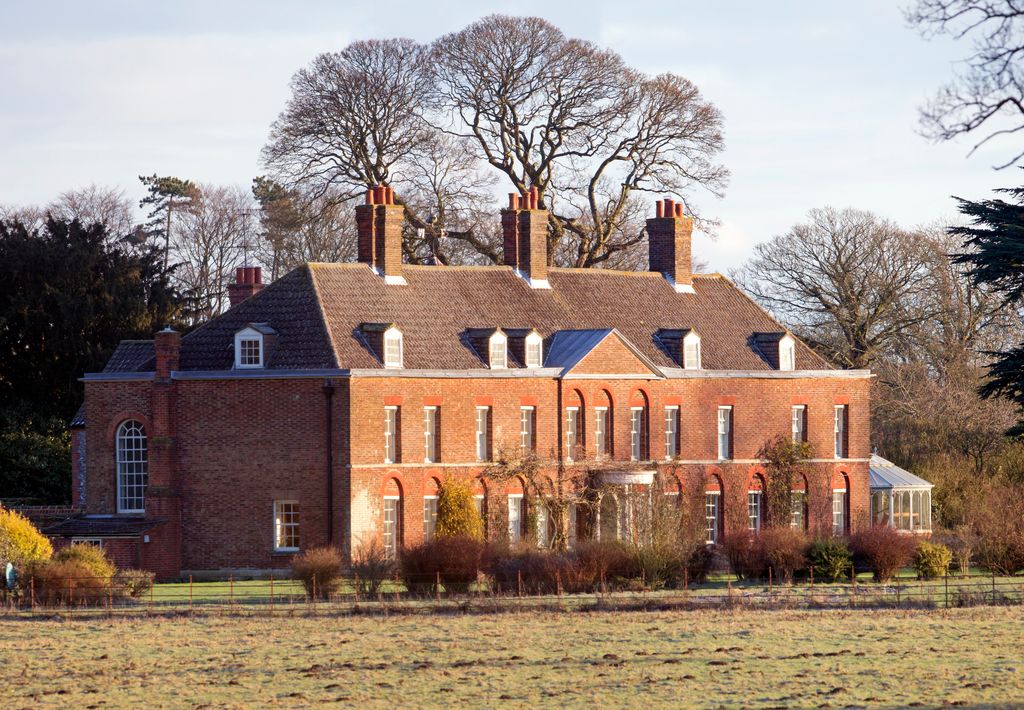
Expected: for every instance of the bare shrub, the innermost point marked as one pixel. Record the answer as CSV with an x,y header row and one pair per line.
x,y
372,566
455,561
783,550
883,550
319,570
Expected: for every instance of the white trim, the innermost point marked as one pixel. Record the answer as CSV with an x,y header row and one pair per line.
x,y
391,333
392,280
533,338
696,462
249,334
497,339
296,524
694,338
786,343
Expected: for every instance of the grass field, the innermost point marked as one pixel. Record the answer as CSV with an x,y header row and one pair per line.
x,y
621,659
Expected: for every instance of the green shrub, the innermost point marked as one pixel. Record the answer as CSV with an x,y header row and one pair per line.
x,y
831,558
372,566
456,511
319,570
91,557
782,550
883,550
132,583
932,560
21,543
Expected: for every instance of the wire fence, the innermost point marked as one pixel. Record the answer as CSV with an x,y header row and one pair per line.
x,y
96,596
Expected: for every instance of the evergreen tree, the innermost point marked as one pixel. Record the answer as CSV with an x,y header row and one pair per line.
x,y
167,195
994,256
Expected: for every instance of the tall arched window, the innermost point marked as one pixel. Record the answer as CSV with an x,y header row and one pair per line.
x,y
393,519
132,467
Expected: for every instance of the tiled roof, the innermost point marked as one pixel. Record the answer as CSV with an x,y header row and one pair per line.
x,y
130,356
317,311
79,418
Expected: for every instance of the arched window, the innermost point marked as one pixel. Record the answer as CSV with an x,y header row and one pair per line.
x,y
132,467
392,528
714,520
534,350
497,351
798,504
480,501
430,509
603,423
638,428
394,354
518,518
755,503
787,353
691,351
840,505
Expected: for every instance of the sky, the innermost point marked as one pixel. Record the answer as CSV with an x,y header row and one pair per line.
x,y
819,99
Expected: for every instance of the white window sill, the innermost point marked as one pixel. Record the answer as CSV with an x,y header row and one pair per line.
x,y
286,549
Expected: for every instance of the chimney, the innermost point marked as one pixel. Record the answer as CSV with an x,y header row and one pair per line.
x,y
525,229
248,282
168,352
379,224
668,238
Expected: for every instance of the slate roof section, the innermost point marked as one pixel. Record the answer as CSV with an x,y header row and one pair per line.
x,y
102,527
79,418
317,310
886,474
131,356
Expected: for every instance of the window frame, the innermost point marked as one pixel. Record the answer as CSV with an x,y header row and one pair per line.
x,y
139,466
672,440
840,503
527,429
755,500
692,339
727,433
713,524
637,433
393,336
282,526
798,413
602,421
392,548
483,434
429,517
249,335
497,340
518,501
572,414
533,340
840,426
431,429
392,434
787,354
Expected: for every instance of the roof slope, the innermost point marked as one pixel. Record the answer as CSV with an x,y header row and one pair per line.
x,y
317,310
885,474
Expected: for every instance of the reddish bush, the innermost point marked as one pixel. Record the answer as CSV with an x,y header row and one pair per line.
x,y
783,550
456,561
319,570
531,569
883,550
741,551
67,582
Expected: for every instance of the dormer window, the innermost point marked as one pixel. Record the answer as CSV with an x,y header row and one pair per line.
x,y
787,353
534,350
497,350
393,347
691,351
248,348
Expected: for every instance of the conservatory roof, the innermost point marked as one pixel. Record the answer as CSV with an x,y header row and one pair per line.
x,y
886,474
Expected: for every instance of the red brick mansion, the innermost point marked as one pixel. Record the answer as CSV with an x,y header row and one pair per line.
x,y
327,406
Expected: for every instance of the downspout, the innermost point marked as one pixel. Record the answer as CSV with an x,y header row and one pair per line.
x,y
328,398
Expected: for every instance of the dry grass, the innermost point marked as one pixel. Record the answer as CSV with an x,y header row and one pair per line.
x,y
621,659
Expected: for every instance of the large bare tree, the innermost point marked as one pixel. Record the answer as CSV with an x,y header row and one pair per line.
x,y
577,123
847,281
986,97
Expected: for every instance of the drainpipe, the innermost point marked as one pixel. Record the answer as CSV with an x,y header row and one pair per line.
x,y
328,398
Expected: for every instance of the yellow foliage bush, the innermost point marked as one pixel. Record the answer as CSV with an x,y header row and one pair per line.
x,y
456,511
20,541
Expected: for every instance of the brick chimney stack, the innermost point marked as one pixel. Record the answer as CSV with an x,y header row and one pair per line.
x,y
248,282
379,225
167,344
524,226
668,236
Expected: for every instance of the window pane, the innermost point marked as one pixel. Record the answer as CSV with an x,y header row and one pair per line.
x,y
132,468
286,525
483,452
671,432
600,431
390,434
571,433
392,526
636,419
526,429
515,518
430,434
711,517
429,517
754,510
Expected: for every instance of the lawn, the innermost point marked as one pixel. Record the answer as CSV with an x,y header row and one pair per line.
x,y
611,659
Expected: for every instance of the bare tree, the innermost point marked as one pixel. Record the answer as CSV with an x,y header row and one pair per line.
x,y
987,97
211,240
574,121
847,281
353,117
109,206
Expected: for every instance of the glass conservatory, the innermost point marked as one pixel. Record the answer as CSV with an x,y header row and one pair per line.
x,y
899,499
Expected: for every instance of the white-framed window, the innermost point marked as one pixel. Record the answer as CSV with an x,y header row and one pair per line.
x,y
248,349
430,448
527,419
725,433
572,428
691,351
787,353
480,503
544,527
392,528
671,432
798,503
516,510
754,510
600,431
393,347
483,433
636,434
798,417
839,511
534,350
93,541
497,351
132,467
391,419
712,514
286,525
840,430
429,517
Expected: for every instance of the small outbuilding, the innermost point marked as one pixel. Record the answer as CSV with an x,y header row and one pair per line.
x,y
899,499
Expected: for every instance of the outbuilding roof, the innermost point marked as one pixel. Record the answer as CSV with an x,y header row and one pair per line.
x,y
317,311
885,474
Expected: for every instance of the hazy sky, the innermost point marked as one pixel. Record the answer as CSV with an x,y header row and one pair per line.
x,y
819,98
